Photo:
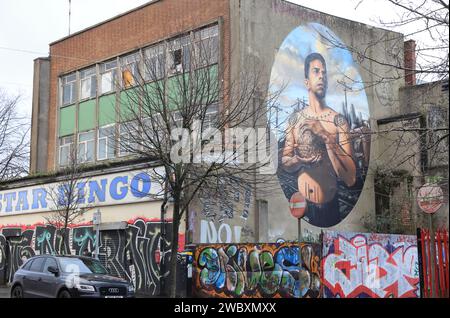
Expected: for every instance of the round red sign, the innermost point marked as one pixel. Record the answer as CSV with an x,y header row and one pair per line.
x,y
430,198
297,204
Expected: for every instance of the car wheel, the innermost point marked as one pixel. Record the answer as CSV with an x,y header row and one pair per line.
x,y
64,294
17,292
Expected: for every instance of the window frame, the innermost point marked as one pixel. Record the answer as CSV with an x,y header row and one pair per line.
x,y
91,78
112,136
86,143
61,146
113,70
72,84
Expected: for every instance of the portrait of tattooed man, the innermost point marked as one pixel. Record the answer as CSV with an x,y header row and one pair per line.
x,y
318,148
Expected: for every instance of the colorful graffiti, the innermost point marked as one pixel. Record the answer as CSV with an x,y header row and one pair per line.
x,y
324,114
254,271
370,265
133,253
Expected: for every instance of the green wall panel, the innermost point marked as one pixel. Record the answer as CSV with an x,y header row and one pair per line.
x,y
129,103
67,121
86,115
107,110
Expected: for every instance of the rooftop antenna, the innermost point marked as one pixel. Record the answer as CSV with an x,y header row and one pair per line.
x,y
70,5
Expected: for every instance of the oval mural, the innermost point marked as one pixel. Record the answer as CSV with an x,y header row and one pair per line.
x,y
322,122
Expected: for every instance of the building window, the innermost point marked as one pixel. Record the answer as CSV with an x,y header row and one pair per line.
x,y
108,76
86,144
175,58
130,69
207,41
88,81
65,150
106,142
69,89
154,60
127,138
211,116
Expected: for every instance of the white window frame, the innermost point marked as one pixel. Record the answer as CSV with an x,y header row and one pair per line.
x,y
70,81
65,142
155,57
203,40
109,67
83,157
131,63
108,142
88,76
119,146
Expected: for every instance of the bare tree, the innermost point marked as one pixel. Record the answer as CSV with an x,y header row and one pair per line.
x,y
67,202
179,109
14,138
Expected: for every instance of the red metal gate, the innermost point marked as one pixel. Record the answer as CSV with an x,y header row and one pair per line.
x,y
440,278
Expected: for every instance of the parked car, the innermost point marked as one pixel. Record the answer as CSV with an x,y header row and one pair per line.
x,y
66,277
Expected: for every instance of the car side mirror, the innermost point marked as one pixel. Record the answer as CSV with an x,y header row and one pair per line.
x,y
53,270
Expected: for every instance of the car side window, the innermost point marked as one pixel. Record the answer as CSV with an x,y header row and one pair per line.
x,y
27,265
37,264
49,262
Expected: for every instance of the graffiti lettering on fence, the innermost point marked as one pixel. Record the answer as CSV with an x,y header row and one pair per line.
x,y
266,270
354,267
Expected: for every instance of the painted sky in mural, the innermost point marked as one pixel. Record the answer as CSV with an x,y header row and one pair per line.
x,y
288,71
322,123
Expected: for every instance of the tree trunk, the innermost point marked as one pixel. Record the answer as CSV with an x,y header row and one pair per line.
x,y
174,248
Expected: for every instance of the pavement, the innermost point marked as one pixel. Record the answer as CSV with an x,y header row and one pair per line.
x,y
4,292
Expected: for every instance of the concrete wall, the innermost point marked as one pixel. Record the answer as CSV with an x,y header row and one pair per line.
x,y
259,29
39,121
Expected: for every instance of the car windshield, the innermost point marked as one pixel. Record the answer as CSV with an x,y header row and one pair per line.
x,y
81,265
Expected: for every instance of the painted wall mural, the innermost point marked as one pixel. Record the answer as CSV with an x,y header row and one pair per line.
x,y
254,271
322,122
133,253
221,215
357,265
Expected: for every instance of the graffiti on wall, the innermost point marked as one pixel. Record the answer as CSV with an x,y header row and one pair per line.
x,y
224,213
254,271
370,265
143,246
133,253
323,124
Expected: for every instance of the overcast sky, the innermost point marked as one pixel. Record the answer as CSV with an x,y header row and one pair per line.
x,y
28,26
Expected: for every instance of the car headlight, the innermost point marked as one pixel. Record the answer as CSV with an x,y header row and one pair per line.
x,y
87,288
131,288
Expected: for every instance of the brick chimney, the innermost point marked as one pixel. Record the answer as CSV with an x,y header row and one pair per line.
x,y
410,62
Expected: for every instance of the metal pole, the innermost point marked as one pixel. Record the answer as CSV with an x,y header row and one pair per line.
x,y
299,230
432,257
299,243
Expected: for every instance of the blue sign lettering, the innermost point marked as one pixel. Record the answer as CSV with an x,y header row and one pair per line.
x,y
9,197
81,193
22,201
39,197
113,188
145,178
99,191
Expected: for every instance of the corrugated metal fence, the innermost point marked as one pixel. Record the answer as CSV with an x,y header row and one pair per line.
x,y
435,274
